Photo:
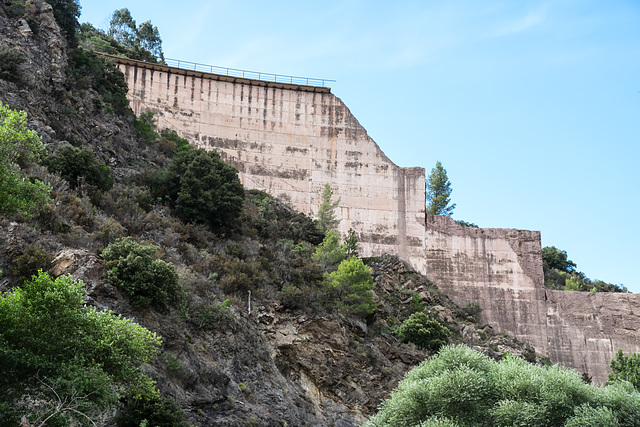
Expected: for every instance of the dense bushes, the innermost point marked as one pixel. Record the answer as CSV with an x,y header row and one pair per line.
x,y
91,71
19,147
150,410
560,273
425,333
330,253
626,368
33,258
10,60
147,281
63,359
202,188
278,221
73,163
461,387
67,13
210,191
212,316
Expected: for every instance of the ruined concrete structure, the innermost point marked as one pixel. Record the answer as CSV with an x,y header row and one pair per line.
x,y
289,140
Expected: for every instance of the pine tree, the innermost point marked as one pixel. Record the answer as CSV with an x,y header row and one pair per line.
x,y
439,192
326,214
351,244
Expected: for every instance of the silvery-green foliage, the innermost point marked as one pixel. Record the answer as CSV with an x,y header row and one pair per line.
x,y
439,422
460,386
623,399
587,416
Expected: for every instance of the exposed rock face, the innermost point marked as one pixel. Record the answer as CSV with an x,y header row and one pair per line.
x,y
45,65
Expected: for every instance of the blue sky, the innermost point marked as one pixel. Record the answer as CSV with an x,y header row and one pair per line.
x,y
533,107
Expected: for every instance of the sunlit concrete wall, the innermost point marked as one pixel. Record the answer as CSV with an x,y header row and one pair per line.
x,y
586,329
501,270
290,140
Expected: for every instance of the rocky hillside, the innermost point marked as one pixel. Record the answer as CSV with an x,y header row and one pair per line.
x,y
257,339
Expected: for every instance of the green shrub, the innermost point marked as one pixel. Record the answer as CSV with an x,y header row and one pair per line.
x,y
351,244
626,368
469,388
147,281
67,13
587,416
103,76
437,421
14,8
18,148
291,297
326,212
241,276
145,127
352,286
267,218
33,258
210,191
10,60
472,310
58,354
213,316
150,410
202,188
170,142
425,333
299,227
73,163
330,253
416,304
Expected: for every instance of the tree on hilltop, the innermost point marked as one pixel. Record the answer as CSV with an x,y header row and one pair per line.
x,y
558,259
439,192
143,37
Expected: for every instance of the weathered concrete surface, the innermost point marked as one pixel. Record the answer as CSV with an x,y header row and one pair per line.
x,y
586,329
499,269
290,141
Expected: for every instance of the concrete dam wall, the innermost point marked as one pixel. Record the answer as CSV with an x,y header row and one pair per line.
x,y
501,270
290,140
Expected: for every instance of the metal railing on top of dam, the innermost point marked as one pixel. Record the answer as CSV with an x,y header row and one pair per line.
x,y
255,75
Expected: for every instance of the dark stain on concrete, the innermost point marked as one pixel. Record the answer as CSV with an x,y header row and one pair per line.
x,y
293,150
